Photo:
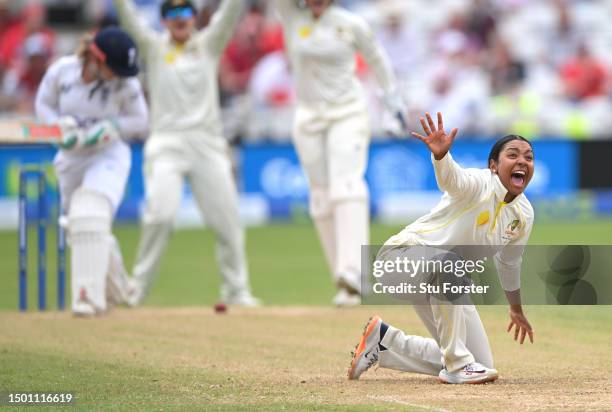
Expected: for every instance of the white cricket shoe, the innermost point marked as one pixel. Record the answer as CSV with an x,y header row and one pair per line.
x,y
470,373
84,307
244,299
343,298
134,294
366,351
84,310
351,283
119,288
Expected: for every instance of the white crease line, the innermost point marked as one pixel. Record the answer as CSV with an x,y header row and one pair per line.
x,y
401,402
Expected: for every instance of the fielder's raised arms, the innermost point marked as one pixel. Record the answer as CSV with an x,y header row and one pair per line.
x,y
27,132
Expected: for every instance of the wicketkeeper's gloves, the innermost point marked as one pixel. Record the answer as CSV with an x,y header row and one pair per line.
x,y
71,132
101,133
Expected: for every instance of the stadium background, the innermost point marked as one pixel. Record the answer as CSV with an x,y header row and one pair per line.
x,y
540,68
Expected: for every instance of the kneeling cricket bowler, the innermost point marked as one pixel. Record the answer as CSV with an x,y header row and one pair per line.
x,y
98,103
479,207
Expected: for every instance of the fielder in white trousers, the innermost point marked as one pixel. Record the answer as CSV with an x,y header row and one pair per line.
x,y
332,145
186,142
331,128
205,164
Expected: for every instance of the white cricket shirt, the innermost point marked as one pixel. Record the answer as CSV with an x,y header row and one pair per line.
x,y
62,92
182,79
322,54
472,211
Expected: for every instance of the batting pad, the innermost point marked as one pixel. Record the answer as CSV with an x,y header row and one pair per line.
x,y
90,217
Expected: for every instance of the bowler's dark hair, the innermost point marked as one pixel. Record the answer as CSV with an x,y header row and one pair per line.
x,y
499,145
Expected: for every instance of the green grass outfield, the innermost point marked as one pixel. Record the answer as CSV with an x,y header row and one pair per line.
x,y
286,262
175,354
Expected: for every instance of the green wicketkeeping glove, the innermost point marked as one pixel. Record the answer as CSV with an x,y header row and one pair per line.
x,y
102,132
71,132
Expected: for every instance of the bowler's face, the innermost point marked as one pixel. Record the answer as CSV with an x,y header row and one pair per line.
x,y
515,166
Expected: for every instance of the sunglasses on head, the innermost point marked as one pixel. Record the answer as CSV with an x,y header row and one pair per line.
x,y
179,13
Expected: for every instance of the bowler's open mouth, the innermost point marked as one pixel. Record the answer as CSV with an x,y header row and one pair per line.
x,y
518,178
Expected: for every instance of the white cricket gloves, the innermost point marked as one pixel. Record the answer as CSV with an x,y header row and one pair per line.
x,y
394,122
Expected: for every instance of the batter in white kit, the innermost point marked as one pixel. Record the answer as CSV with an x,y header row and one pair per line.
x,y
98,103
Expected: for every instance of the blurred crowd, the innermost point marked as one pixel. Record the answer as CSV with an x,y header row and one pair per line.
x,y
540,68
26,48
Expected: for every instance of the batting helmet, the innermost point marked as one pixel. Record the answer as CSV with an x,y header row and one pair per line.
x,y
117,49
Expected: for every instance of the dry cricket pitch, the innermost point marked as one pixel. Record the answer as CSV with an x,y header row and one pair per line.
x,y
294,358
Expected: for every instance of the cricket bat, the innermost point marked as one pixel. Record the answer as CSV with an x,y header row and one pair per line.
x,y
28,132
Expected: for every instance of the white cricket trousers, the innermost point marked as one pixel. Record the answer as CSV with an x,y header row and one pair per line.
x,y
458,335
204,162
332,145
104,171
